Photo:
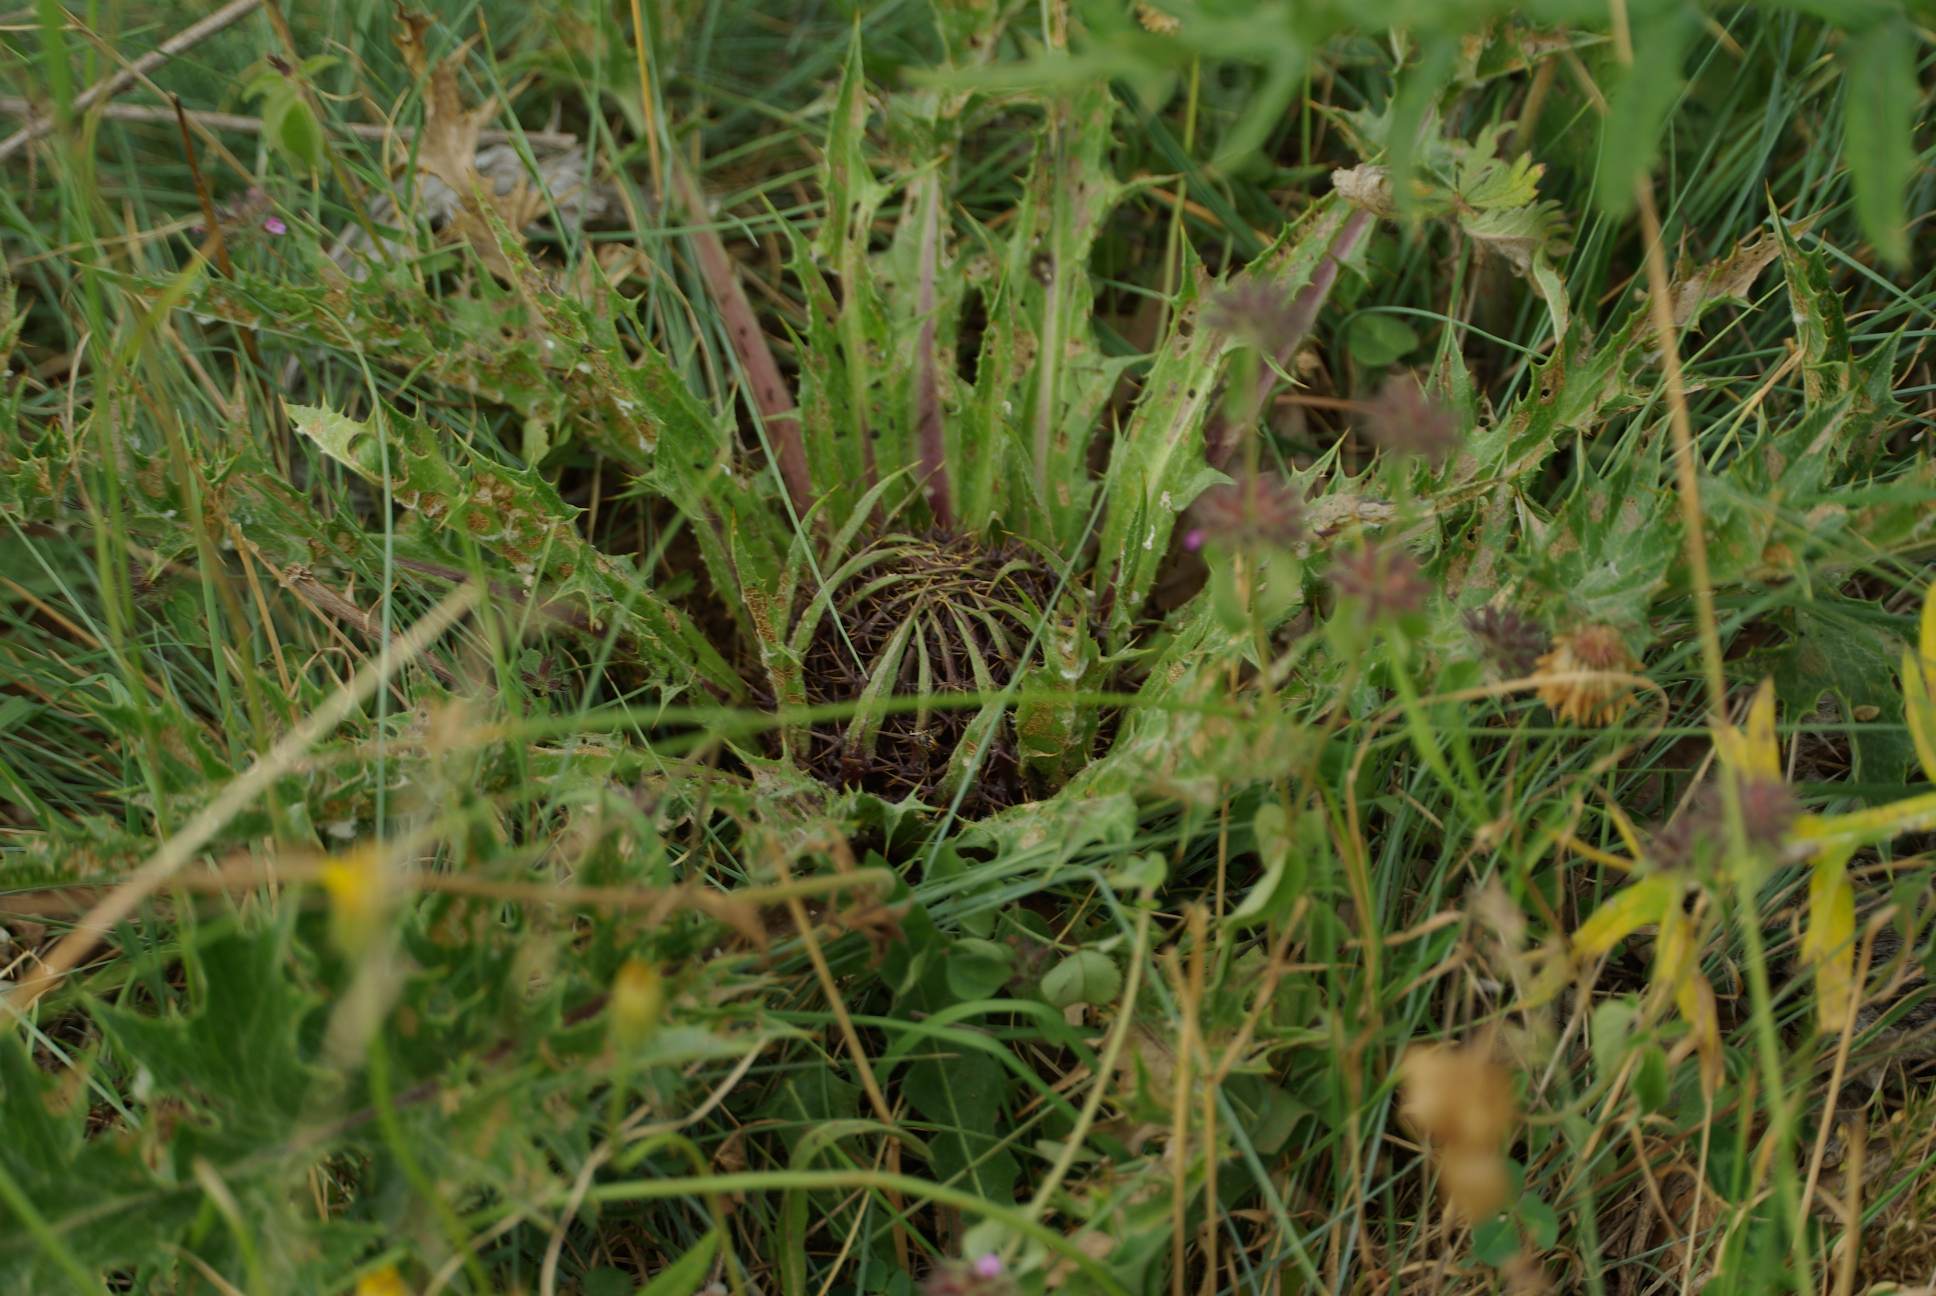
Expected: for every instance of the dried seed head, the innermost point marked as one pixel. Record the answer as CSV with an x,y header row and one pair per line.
x,y
1461,1101
1155,20
1508,640
1256,511
1582,699
1386,581
1402,419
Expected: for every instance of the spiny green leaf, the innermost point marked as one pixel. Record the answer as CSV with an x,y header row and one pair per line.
x,y
1819,324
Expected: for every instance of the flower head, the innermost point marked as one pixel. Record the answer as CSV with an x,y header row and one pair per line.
x,y
274,225
1508,640
985,1275
1385,580
1258,510
1258,312
1568,686
1402,419
1768,809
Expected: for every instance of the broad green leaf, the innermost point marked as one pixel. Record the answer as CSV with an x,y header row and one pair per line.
x,y
1880,98
1377,340
1495,1241
1268,1112
1639,101
963,1097
1650,1084
1540,1221
1612,1020
295,129
236,1062
1277,847
1085,977
978,968
683,1276
101,1205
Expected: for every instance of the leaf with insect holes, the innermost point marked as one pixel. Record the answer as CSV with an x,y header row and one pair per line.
x,y
1615,545
1837,649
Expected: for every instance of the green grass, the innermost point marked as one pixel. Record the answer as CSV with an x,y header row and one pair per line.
x,y
923,707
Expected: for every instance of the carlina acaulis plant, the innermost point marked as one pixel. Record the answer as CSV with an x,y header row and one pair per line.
x,y
915,540
637,658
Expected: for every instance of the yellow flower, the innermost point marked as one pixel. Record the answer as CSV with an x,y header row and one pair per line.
x,y
638,998
357,893
382,1282
1575,696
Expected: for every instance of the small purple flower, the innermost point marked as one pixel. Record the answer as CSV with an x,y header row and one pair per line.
x,y
1404,419
1255,511
1386,581
988,1266
274,225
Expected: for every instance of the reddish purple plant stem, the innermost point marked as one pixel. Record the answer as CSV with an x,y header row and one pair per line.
x,y
1220,440
771,396
927,381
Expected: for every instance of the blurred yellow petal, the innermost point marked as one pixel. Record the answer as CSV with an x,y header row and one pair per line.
x,y
1926,641
382,1282
638,999
1752,751
1867,827
1829,944
355,884
1633,908
1919,707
